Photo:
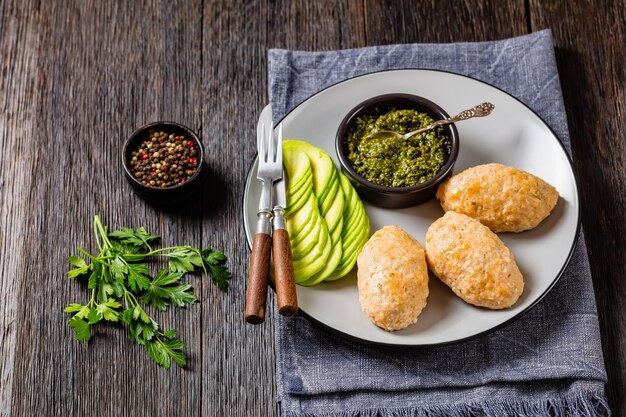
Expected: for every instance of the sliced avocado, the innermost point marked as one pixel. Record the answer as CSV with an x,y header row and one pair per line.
x,y
315,260
305,273
351,199
348,259
297,189
330,186
335,235
296,201
306,229
322,240
349,192
355,231
306,240
327,240
360,233
335,211
304,247
297,220
343,269
331,264
356,215
321,164
334,189
297,166
357,244
353,244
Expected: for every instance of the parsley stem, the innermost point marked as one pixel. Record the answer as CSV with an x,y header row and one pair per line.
x,y
159,252
119,280
102,230
99,259
92,302
133,301
96,219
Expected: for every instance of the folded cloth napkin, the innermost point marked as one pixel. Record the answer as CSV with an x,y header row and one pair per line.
x,y
549,362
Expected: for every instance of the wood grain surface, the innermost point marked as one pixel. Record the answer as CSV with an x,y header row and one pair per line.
x,y
78,76
591,57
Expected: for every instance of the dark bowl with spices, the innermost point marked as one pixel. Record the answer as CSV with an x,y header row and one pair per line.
x,y
396,172
163,162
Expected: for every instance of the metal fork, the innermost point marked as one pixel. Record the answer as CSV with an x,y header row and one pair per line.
x,y
270,164
270,169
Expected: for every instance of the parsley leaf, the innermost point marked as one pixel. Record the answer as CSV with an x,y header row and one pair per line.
x,y
161,290
162,349
96,276
119,268
109,310
81,267
134,237
141,328
138,277
119,279
94,316
121,248
81,310
73,307
184,260
81,328
214,261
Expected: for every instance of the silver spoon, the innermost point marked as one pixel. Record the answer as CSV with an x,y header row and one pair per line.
x,y
481,110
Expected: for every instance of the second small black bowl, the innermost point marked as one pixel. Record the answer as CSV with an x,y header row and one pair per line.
x,y
167,195
396,197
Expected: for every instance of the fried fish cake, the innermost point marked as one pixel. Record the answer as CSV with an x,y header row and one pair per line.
x,y
392,278
471,260
503,198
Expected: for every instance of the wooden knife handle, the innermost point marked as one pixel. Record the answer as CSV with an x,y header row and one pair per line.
x,y
283,274
258,276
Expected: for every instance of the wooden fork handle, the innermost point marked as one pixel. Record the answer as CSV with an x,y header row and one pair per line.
x,y
283,273
258,276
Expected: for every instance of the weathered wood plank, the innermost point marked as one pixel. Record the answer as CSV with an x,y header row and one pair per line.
x,y
238,359
102,69
78,77
590,39
435,21
18,55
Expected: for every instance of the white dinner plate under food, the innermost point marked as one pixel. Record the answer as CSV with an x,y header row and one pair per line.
x,y
512,135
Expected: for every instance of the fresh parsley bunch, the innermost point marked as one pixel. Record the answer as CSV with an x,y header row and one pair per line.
x,y
119,278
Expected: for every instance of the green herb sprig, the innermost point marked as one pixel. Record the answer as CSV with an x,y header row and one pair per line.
x,y
119,278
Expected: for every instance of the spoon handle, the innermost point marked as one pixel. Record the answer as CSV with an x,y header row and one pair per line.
x,y
482,110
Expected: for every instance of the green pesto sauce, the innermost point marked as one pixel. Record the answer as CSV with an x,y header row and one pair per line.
x,y
396,162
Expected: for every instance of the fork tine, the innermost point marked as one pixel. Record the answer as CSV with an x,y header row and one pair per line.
x,y
270,154
279,152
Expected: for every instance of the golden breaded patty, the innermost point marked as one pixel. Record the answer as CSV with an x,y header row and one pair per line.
x,y
471,260
503,198
392,278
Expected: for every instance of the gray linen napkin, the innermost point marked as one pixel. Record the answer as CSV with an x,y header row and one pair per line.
x,y
547,363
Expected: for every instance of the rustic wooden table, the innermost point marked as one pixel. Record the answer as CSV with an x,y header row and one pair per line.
x,y
76,77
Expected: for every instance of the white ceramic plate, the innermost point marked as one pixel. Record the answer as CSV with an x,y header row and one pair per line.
x,y
512,135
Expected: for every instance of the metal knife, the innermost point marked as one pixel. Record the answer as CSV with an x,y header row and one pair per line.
x,y
281,245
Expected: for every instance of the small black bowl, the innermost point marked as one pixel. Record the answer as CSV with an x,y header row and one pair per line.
x,y
168,195
396,197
